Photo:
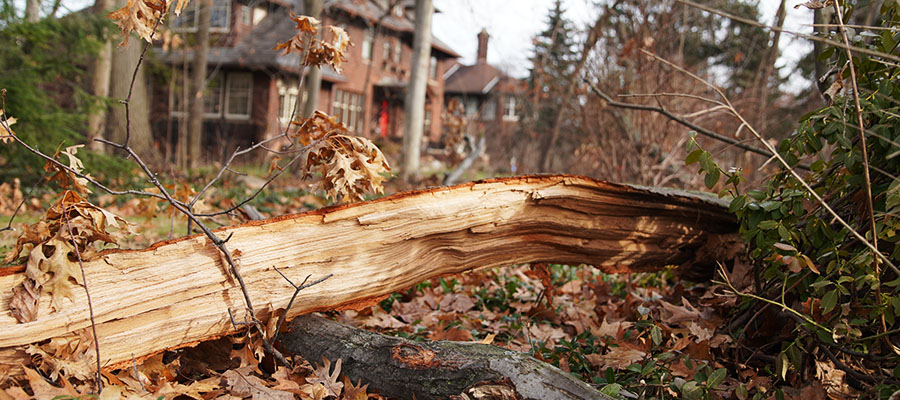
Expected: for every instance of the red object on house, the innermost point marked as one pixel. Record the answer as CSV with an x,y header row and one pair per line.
x,y
383,119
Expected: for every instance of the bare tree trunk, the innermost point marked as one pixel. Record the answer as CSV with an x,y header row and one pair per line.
x,y
547,155
193,141
102,68
32,10
313,8
124,61
414,109
761,84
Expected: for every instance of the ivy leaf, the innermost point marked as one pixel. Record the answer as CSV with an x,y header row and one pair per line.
x,y
829,300
693,157
716,378
712,177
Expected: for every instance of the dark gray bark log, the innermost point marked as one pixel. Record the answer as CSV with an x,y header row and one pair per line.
x,y
405,369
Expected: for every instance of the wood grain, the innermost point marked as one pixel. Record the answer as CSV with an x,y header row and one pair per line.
x,y
177,293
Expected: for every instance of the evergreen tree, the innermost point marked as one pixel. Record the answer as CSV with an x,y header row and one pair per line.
x,y
553,61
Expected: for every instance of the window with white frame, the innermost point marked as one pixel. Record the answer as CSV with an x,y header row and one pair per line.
x,y
226,94
246,15
239,95
387,50
288,94
471,107
220,15
348,109
509,113
397,48
367,45
489,110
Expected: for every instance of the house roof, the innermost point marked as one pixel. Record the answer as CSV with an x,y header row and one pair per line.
x,y
473,79
371,12
256,51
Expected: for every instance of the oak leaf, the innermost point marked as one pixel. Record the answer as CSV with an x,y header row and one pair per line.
x,y
246,385
140,17
328,379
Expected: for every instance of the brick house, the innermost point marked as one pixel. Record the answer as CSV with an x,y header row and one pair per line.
x,y
252,88
490,98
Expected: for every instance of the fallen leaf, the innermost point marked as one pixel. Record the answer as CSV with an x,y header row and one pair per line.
x,y
246,385
329,380
617,358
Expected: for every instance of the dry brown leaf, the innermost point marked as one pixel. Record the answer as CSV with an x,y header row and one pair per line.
x,y
44,390
23,304
140,17
307,27
679,313
611,329
354,392
246,385
617,358
195,390
7,134
329,380
71,355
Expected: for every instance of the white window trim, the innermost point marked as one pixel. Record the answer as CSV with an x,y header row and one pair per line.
x,y
507,109
286,90
226,94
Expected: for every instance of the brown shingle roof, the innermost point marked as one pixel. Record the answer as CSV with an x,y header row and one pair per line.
x,y
473,79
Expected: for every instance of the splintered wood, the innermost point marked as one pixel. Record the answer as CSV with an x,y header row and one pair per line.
x,y
178,293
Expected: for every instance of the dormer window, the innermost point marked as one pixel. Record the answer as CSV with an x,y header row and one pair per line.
x,y
398,11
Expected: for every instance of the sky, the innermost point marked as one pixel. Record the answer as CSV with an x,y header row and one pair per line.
x,y
512,25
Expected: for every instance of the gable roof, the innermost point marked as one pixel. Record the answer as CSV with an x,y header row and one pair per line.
x,y
473,79
371,12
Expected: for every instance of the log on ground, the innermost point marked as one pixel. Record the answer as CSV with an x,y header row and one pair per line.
x,y
405,369
177,293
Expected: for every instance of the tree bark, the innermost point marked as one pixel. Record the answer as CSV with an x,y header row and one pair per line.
x,y
32,10
192,143
402,368
761,82
178,292
102,68
414,109
313,84
124,62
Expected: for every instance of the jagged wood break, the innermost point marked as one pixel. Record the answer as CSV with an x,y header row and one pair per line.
x,y
177,293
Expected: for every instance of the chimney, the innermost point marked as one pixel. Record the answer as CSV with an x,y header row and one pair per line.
x,y
482,46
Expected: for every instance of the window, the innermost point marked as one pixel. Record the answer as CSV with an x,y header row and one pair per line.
x,y
246,15
287,99
348,109
489,110
398,11
387,50
212,97
432,68
397,47
427,121
226,94
219,16
510,112
471,107
237,104
368,42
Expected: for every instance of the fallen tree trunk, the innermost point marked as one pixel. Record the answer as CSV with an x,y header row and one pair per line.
x,y
405,369
178,292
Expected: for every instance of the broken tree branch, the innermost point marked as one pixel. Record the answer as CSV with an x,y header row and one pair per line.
x,y
177,293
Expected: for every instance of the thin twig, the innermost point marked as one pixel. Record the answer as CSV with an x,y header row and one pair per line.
x,y
780,159
722,138
829,42
87,293
297,290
